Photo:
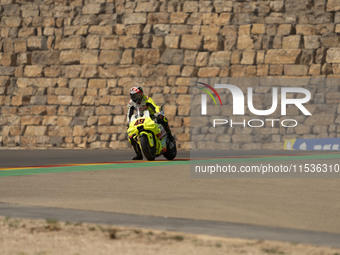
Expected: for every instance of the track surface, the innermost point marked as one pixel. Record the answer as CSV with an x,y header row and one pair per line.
x,y
17,158
296,210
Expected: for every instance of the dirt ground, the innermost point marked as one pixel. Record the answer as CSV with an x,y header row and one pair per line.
x,y
43,237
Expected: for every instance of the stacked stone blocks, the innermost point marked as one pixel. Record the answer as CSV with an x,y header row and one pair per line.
x,y
66,66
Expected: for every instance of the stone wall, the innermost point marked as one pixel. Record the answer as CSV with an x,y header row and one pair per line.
x,y
66,66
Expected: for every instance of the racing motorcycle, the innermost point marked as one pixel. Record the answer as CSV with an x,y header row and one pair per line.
x,y
151,136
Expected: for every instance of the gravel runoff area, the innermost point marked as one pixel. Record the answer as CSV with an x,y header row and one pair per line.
x,y
43,237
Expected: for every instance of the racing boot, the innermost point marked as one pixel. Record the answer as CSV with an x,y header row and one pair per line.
x,y
139,155
171,138
164,121
168,131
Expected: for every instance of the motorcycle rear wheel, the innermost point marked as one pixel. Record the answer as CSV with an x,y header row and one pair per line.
x,y
171,153
148,151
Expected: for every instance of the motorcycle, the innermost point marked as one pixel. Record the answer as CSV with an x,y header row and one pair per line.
x,y
151,136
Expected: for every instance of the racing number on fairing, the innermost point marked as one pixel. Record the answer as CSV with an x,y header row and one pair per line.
x,y
140,121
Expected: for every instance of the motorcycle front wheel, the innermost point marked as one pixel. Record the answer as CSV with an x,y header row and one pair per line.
x,y
148,151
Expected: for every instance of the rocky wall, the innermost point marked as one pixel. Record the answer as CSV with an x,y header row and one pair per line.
x,y
66,66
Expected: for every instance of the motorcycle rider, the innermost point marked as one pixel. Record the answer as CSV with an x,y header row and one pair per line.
x,y
143,102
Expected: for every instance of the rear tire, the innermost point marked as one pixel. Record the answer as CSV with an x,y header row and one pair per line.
x,y
148,151
171,153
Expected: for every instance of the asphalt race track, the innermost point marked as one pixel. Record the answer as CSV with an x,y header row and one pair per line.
x,y
104,186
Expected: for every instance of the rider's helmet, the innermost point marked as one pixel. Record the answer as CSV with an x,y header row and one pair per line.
x,y
136,94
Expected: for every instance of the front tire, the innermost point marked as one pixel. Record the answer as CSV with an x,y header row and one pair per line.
x,y
148,151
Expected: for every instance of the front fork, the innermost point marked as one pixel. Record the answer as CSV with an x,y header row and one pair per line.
x,y
149,136
135,139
